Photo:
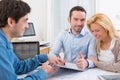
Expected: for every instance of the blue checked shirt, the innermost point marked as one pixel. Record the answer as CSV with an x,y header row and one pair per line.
x,y
72,45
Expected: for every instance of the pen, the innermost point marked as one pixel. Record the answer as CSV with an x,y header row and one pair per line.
x,y
51,64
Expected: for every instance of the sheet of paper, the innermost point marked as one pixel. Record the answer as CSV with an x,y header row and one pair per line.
x,y
89,74
70,66
109,77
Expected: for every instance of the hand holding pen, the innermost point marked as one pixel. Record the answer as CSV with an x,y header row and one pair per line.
x,y
55,60
60,61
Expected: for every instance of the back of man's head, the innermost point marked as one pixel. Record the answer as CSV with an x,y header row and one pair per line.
x,y
14,9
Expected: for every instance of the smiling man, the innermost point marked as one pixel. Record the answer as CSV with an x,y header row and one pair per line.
x,y
77,44
13,23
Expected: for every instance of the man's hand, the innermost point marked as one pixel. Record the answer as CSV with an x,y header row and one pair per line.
x,y
81,62
48,68
55,60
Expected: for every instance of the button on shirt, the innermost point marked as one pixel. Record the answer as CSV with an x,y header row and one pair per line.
x,y
72,45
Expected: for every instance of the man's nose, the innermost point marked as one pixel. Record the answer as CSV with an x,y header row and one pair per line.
x,y
79,22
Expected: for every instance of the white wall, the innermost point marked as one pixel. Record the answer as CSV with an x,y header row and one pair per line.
x,y
111,8
50,16
43,12
38,16
59,13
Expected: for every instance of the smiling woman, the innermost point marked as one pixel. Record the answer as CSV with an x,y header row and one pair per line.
x,y
108,42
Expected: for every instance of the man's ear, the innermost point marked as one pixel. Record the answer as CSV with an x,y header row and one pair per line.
x,y
10,22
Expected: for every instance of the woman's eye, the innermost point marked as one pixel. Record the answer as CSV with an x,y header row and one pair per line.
x,y
97,30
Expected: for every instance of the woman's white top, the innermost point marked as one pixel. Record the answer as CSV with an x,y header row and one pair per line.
x,y
107,55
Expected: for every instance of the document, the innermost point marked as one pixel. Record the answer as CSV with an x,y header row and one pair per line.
x,y
70,66
109,77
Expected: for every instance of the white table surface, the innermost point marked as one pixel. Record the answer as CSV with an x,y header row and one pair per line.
x,y
67,74
89,74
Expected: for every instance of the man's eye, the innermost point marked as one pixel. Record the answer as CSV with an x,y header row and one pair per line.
x,y
75,19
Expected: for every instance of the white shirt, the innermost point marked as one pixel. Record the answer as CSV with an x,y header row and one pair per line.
x,y
107,55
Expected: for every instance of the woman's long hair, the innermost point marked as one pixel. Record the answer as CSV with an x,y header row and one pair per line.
x,y
106,23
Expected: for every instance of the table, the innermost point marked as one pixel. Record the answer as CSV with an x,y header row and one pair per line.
x,y
89,74
67,74
44,49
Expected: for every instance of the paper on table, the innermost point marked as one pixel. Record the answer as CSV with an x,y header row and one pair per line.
x,y
109,77
70,66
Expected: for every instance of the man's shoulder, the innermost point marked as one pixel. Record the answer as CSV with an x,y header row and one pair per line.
x,y
64,31
88,34
2,41
62,35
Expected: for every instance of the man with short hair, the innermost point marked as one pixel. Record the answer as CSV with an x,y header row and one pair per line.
x,y
13,23
78,45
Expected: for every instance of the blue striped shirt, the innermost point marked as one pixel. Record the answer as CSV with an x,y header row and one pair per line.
x,y
72,45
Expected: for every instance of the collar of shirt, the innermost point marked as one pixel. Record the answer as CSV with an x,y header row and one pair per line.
x,y
82,33
2,36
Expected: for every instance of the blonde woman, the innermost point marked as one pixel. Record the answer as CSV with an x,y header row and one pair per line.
x,y
108,42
